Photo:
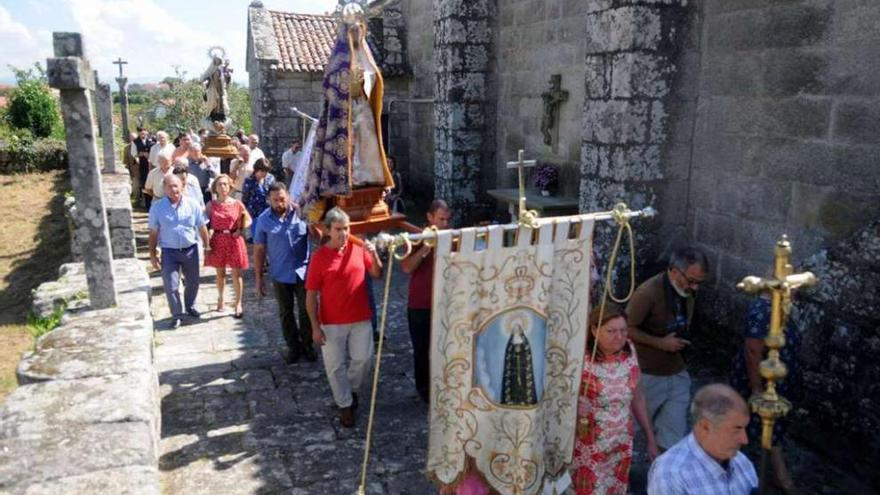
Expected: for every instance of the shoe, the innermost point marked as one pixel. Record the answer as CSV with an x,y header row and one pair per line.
x,y
310,354
175,323
194,313
221,306
346,417
292,357
239,315
354,401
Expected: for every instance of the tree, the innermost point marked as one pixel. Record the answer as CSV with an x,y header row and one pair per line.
x,y
32,105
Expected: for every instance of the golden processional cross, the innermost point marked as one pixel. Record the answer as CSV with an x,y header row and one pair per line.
x,y
770,406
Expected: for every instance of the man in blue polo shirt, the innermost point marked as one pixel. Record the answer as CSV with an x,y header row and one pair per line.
x,y
176,222
283,236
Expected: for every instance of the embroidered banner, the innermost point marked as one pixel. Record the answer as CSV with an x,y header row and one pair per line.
x,y
507,347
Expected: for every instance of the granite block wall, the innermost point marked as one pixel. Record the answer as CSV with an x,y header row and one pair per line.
x,y
785,141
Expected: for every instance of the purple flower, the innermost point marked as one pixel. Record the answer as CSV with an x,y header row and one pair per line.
x,y
546,176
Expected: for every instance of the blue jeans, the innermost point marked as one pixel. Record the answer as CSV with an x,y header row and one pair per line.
x,y
173,261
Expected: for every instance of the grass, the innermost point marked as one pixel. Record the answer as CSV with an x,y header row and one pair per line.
x,y
33,243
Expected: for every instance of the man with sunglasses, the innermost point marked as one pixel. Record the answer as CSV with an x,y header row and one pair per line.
x,y
659,316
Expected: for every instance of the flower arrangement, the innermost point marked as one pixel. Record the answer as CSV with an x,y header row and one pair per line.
x,y
546,177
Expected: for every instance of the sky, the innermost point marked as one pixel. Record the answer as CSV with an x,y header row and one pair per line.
x,y
152,35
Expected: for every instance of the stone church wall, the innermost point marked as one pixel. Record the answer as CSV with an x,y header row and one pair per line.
x,y
538,38
786,141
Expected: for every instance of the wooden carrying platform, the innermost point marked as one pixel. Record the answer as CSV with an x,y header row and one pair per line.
x,y
369,213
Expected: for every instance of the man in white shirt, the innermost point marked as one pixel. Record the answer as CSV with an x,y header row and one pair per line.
x,y
240,169
256,152
163,145
289,159
154,185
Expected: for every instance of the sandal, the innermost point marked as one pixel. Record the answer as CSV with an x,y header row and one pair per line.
x,y
221,306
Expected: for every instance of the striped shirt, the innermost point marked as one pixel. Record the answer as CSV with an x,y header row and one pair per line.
x,y
686,469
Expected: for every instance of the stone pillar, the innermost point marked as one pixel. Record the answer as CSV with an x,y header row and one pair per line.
x,y
69,72
123,106
463,142
104,102
633,53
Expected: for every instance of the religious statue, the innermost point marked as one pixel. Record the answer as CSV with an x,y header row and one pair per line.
x,y
518,385
348,151
552,99
216,79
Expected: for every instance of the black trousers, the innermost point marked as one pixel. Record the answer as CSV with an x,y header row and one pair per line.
x,y
297,336
420,333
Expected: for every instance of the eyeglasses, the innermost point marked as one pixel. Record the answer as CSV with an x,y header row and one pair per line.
x,y
690,280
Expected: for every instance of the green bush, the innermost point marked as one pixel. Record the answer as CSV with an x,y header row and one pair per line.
x,y
19,152
32,105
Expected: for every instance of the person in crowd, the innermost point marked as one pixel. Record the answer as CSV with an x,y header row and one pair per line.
x,y
289,159
610,397
241,137
141,151
129,159
282,237
659,316
420,266
394,195
176,223
256,189
254,143
184,144
162,146
190,184
202,134
339,311
229,219
240,169
202,169
154,185
708,460
746,379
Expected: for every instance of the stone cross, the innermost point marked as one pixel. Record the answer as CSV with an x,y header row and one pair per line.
x,y
552,99
123,99
69,72
104,102
520,164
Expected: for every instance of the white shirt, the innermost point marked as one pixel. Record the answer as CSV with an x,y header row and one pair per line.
x,y
256,154
155,180
243,170
157,149
289,159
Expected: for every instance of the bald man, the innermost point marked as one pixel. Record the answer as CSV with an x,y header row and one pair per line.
x,y
176,222
708,460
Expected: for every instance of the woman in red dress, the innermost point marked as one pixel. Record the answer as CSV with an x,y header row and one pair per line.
x,y
229,219
609,398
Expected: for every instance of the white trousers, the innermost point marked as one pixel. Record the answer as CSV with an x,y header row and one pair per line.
x,y
356,340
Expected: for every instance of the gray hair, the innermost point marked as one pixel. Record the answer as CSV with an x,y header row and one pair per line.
x,y
168,179
335,215
162,133
714,401
683,258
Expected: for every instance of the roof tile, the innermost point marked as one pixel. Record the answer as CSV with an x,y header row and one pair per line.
x,y
304,41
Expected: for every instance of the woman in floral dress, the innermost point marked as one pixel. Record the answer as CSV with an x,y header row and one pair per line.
x,y
229,219
256,190
609,398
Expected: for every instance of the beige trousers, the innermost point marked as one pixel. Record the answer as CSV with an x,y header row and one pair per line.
x,y
355,340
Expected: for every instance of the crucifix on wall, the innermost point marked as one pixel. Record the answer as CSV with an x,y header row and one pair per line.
x,y
552,99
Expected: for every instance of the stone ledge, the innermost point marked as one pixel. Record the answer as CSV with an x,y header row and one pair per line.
x,y
87,416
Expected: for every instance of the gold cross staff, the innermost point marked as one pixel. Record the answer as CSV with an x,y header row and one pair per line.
x,y
769,405
525,217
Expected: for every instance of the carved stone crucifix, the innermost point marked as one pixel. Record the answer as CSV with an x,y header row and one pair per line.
x,y
552,99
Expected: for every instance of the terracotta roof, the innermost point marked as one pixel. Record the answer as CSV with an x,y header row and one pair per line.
x,y
304,41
